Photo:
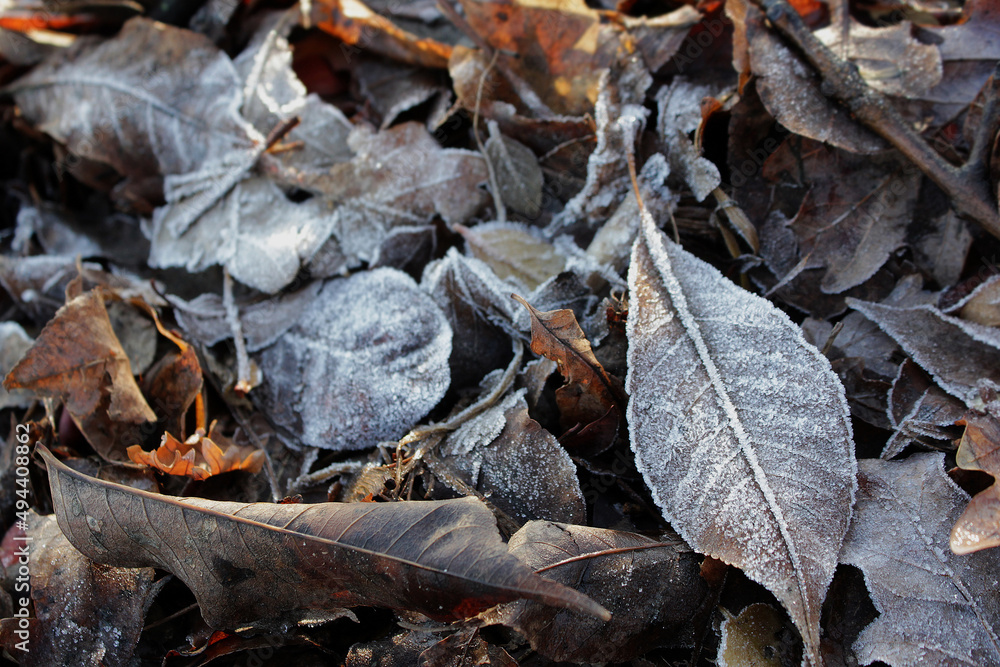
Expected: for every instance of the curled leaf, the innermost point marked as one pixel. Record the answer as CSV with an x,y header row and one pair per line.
x,y
200,456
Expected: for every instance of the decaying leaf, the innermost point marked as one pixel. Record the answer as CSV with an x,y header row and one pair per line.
x,y
751,638
936,608
508,457
739,427
971,355
979,526
517,172
268,563
918,410
87,613
78,359
200,456
617,569
589,395
981,305
14,343
367,359
514,251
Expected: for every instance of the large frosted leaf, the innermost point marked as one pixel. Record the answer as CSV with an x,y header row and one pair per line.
x,y
936,608
365,361
739,427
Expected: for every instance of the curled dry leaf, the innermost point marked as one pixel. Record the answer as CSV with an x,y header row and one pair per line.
x,y
78,359
969,356
936,608
263,563
87,613
664,576
200,456
739,426
590,396
979,526
367,359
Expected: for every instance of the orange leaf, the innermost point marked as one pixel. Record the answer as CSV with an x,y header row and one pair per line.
x,y
200,456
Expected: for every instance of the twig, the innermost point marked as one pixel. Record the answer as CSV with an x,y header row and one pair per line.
x,y
244,381
966,186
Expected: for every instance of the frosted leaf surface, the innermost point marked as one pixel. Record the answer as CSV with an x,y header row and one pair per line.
x,y
518,175
957,353
679,114
515,251
520,466
918,410
14,343
256,232
366,360
936,608
739,426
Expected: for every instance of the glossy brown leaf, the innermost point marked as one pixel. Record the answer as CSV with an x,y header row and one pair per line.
x,y
979,526
589,393
78,359
267,563
653,590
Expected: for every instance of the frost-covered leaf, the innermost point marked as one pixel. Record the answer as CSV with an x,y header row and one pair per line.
x,y
365,361
918,410
739,427
981,305
507,456
979,526
514,251
958,354
936,608
679,107
256,232
652,588
14,342
151,102
517,172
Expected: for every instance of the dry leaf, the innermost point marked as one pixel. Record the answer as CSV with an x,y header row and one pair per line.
x,y
514,251
653,589
936,608
751,639
366,360
981,305
518,175
14,343
266,563
918,410
78,359
200,456
739,426
979,526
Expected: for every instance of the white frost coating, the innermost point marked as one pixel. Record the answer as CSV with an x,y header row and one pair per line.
x,y
740,427
936,608
366,360
679,107
957,353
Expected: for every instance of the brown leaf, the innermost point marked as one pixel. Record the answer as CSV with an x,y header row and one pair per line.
x,y
200,456
653,590
87,613
261,562
514,251
751,638
979,526
589,393
78,359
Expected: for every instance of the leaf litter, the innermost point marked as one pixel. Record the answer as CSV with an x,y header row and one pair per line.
x,y
334,204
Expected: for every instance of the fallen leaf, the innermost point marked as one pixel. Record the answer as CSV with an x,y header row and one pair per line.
x,y
518,175
663,580
589,393
971,355
200,456
936,608
751,638
679,107
509,458
14,343
350,374
262,562
87,613
979,526
514,251
78,359
918,410
720,383
981,305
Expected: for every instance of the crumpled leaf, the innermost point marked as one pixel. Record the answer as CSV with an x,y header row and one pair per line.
x,y
86,613
590,398
739,427
979,526
200,456
971,355
617,569
509,458
153,101
263,562
789,88
365,361
78,359
518,175
936,608
918,410
514,251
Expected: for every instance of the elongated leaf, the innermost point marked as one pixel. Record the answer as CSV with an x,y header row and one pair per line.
x,y
739,427
936,608
247,563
